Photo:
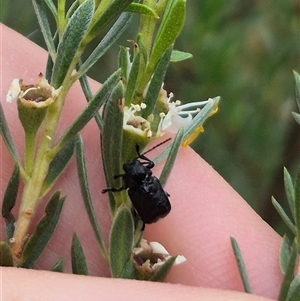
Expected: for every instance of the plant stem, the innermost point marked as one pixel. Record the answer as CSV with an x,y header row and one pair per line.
x,y
29,152
33,185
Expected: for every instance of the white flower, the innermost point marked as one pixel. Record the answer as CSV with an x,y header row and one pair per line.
x,y
136,124
149,257
13,91
178,115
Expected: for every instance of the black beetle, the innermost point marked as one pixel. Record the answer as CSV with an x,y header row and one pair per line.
x,y
145,191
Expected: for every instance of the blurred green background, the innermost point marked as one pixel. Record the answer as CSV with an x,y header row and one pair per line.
x,y
245,52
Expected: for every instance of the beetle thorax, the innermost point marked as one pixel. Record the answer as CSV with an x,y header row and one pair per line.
x,y
135,173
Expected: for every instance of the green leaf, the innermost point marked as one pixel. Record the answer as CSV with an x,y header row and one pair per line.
x,y
142,9
164,270
52,8
124,61
241,265
132,79
111,141
294,290
72,8
11,192
43,232
283,215
85,192
289,275
296,117
289,190
89,96
50,62
111,37
284,254
9,201
156,83
171,157
171,25
59,266
121,240
6,257
105,13
4,131
71,40
297,88
91,109
129,271
58,165
144,53
297,206
40,11
79,266
178,56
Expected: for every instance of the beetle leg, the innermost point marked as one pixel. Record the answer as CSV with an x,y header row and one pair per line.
x,y
112,189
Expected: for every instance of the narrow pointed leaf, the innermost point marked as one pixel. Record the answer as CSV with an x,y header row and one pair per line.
x,y
5,133
92,108
171,157
9,227
289,190
40,11
113,34
164,270
52,8
85,192
142,9
294,290
111,141
297,88
11,192
156,83
171,25
289,275
124,62
132,79
297,207
121,241
129,271
72,8
43,232
50,60
59,266
58,165
283,215
89,96
241,265
6,257
178,56
79,266
296,117
106,13
71,40
284,254
9,200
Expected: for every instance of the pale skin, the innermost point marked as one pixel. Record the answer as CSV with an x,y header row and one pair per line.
x,y
206,212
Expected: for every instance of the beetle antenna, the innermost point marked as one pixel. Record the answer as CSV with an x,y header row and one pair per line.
x,y
157,145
